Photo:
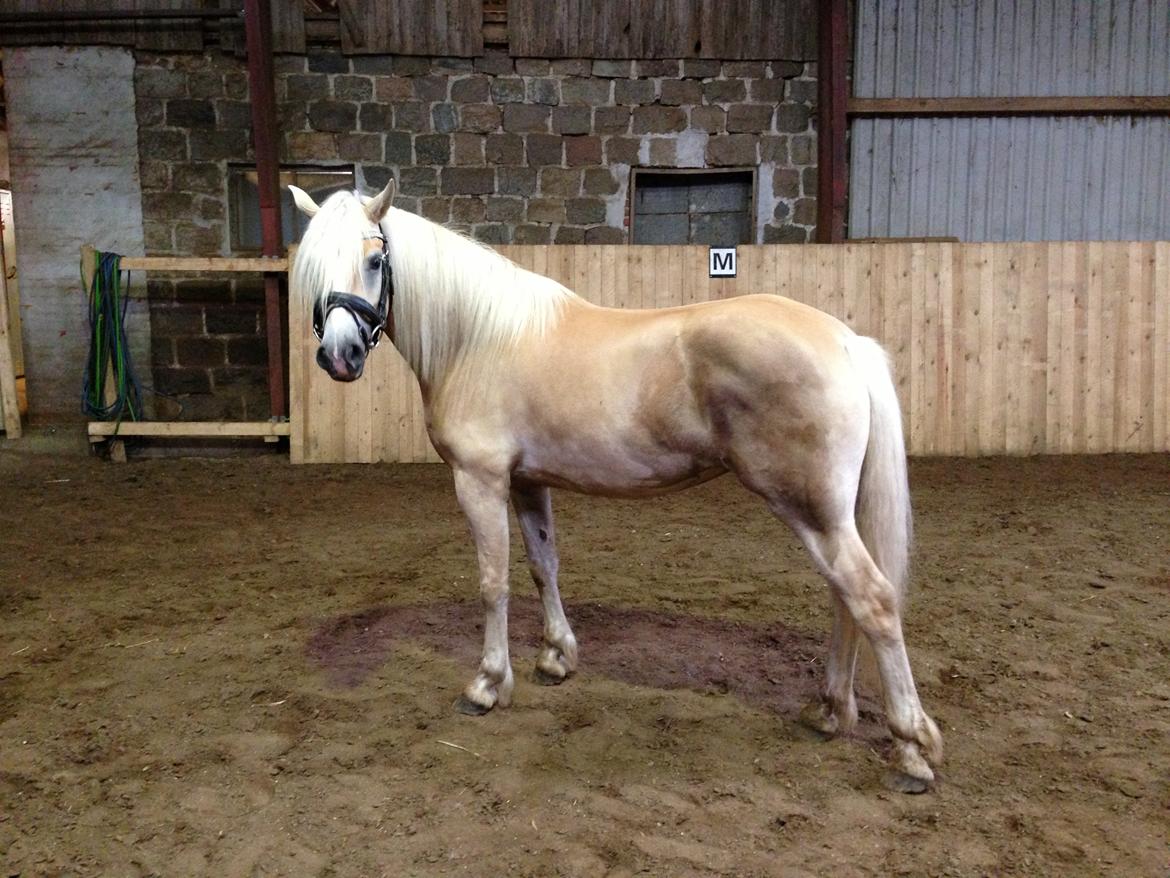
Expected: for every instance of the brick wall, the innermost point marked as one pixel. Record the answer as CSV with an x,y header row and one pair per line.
x,y
507,150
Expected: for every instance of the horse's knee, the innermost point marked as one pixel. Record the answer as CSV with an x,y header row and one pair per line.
x,y
494,594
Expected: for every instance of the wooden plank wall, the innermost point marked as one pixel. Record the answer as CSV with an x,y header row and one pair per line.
x,y
1018,348
412,27
725,29
180,35
288,26
408,27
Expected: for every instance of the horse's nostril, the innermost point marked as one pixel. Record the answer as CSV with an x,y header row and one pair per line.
x,y
322,358
353,356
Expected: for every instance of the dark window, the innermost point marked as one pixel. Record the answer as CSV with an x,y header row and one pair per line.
x,y
682,207
244,200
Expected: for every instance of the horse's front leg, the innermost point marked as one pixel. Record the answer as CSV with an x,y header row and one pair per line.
x,y
484,499
558,653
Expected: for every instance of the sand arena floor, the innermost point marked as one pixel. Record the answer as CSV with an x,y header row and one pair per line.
x,y
241,668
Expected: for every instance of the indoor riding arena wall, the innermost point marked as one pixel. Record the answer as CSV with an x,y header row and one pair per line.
x,y
1010,348
509,150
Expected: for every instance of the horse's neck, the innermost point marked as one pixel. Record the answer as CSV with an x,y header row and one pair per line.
x,y
429,324
464,305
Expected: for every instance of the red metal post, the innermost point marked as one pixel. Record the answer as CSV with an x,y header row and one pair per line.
x,y
832,95
258,33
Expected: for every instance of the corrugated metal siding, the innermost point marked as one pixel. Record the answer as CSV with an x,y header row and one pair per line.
x,y
1005,179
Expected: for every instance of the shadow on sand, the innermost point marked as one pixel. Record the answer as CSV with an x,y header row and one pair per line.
x,y
769,666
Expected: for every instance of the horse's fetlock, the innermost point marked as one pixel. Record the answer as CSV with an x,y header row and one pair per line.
x,y
930,738
844,708
568,647
504,690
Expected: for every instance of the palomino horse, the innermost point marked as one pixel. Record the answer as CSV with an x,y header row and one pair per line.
x,y
526,386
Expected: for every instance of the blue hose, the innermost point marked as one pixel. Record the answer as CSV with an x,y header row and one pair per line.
x,y
109,349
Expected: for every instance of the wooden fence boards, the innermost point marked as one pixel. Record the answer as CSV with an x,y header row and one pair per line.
x,y
1059,347
725,29
1160,347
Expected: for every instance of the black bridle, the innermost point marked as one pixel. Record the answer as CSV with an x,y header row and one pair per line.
x,y
370,320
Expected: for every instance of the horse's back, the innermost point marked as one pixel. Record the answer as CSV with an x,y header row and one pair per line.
x,y
762,315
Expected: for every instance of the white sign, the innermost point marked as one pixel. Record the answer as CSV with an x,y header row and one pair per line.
x,y
722,262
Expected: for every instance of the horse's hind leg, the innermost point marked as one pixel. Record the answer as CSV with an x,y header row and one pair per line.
x,y
873,603
835,711
483,497
558,653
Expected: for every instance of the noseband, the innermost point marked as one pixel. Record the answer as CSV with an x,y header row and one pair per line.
x,y
370,320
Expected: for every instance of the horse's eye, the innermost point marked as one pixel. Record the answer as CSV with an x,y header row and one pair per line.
x,y
374,262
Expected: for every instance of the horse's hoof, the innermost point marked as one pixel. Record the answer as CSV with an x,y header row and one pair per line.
x,y
465,705
817,718
543,678
900,782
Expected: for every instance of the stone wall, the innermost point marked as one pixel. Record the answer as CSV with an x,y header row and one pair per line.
x,y
74,181
507,150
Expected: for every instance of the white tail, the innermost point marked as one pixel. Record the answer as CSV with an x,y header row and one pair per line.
x,y
883,497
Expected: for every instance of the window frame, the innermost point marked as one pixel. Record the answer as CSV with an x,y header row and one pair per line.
x,y
233,214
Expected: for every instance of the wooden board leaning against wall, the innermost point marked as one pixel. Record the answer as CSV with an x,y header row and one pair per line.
x,y
1006,348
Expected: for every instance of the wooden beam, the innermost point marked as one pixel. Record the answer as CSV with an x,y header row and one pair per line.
x,y
909,239
1018,106
832,97
204,263
97,15
99,430
262,90
8,398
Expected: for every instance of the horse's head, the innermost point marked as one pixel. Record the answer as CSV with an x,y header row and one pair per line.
x,y
343,265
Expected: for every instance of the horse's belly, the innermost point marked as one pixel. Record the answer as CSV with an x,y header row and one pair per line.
x,y
617,475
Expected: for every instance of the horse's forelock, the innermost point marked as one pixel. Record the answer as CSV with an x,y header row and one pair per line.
x,y
332,241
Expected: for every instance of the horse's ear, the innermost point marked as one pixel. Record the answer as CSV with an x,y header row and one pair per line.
x,y
377,207
304,201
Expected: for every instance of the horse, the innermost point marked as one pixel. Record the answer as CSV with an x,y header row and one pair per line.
x,y
528,387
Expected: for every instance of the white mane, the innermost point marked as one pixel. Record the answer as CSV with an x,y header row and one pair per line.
x,y
452,295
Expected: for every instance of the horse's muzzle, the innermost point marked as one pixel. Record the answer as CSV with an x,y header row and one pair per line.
x,y
347,365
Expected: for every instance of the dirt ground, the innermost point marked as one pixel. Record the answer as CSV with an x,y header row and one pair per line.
x,y
240,668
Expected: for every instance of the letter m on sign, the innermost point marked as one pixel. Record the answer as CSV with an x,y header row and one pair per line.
x,y
722,262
